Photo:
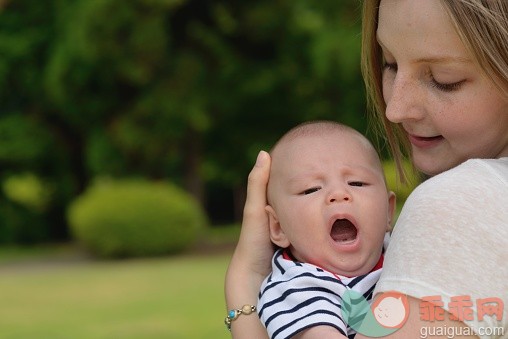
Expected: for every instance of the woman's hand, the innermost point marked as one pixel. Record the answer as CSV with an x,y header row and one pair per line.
x,y
251,260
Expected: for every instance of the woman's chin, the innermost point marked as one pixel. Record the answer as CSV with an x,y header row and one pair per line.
x,y
432,165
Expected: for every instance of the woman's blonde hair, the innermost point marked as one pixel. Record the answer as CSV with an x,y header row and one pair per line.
x,y
482,26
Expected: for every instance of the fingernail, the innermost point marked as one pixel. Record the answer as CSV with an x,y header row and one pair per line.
x,y
261,159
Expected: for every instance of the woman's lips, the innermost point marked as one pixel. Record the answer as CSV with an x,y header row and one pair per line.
x,y
425,142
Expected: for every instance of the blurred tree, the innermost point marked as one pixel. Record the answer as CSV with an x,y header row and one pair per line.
x,y
189,90
27,143
278,63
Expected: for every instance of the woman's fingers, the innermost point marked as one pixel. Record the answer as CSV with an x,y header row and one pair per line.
x,y
254,248
251,260
256,188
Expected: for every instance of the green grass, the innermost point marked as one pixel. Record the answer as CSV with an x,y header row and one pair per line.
x,y
173,297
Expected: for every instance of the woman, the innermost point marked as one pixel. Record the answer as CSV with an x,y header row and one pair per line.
x,y
437,76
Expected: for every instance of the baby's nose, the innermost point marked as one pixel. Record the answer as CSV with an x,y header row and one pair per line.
x,y
339,195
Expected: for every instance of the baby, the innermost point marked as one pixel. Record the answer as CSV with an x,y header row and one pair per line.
x,y
329,209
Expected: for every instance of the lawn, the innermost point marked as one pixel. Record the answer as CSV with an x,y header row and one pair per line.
x,y
171,297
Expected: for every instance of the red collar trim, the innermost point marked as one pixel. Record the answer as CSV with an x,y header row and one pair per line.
x,y
379,263
286,256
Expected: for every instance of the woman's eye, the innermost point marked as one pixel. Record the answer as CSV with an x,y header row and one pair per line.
x,y
357,183
311,190
446,87
390,66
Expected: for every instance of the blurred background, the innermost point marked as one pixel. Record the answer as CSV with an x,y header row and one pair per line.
x,y
127,131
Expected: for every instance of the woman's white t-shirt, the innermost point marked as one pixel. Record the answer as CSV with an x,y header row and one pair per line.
x,y
451,241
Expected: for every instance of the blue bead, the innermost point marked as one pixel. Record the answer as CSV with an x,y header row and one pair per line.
x,y
232,314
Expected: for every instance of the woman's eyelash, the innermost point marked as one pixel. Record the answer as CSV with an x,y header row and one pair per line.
x,y
440,86
446,87
390,66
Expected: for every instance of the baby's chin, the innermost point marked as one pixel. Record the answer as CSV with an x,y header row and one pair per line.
x,y
352,265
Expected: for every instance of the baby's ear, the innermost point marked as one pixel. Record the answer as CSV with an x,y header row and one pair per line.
x,y
277,234
392,204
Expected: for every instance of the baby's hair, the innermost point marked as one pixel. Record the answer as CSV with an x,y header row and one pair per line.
x,y
317,127
323,128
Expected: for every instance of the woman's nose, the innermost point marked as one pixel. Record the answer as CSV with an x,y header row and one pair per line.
x,y
403,98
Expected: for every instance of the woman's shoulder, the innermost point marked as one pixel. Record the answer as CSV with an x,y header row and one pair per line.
x,y
477,184
452,230
471,174
498,168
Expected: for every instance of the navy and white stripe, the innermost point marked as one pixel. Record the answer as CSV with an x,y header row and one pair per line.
x,y
296,296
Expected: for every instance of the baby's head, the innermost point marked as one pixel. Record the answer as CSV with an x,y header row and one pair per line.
x,y
318,133
328,201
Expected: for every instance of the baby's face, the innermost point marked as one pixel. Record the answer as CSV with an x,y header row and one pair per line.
x,y
330,198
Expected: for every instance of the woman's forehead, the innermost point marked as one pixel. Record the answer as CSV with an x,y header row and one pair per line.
x,y
421,29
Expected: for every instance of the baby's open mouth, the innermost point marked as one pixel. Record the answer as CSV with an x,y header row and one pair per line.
x,y
343,231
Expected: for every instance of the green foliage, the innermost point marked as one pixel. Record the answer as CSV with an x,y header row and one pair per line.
x,y
22,142
21,225
401,190
186,90
135,218
28,190
24,201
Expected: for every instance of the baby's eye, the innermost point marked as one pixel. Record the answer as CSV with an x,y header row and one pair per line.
x,y
310,190
357,183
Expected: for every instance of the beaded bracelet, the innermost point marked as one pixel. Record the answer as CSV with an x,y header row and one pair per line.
x,y
233,314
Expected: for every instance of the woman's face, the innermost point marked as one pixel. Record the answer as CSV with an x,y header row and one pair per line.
x,y
431,86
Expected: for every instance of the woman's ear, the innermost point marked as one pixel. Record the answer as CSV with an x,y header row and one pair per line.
x,y
392,204
277,234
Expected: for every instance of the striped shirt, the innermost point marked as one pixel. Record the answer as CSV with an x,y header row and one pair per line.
x,y
297,296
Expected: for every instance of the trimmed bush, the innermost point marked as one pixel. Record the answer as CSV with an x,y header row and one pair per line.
x,y
135,218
